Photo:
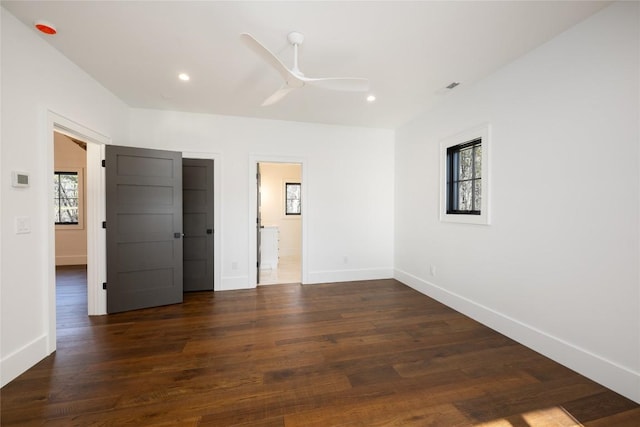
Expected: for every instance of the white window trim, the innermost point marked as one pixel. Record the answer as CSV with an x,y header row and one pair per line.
x,y
483,132
81,207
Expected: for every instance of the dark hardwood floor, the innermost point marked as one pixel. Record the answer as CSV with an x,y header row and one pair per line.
x,y
373,353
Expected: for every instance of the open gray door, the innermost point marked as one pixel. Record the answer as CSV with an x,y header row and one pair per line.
x,y
197,214
144,228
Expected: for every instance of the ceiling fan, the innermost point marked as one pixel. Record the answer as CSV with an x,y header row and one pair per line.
x,y
293,77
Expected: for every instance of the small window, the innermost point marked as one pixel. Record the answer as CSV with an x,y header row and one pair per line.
x,y
66,195
292,203
464,178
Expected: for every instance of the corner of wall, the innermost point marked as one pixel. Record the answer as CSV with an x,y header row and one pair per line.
x,y
601,370
22,359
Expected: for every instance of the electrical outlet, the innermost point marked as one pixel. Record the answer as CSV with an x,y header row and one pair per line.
x,y
432,270
234,265
345,259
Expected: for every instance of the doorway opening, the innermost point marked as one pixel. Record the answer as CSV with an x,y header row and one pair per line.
x,y
69,201
279,236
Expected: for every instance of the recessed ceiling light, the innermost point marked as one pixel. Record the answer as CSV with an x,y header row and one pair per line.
x,y
371,98
45,27
184,77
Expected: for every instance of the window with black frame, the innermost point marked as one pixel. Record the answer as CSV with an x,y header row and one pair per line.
x,y
464,178
293,198
66,197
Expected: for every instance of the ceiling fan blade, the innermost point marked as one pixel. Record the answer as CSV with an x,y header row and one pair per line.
x,y
277,95
268,57
348,84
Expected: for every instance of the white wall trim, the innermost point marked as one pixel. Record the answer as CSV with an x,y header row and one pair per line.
x,y
254,159
22,359
333,276
217,212
618,378
231,283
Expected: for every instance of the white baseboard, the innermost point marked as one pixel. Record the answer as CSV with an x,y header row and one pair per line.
x,y
349,275
231,283
71,260
618,378
22,359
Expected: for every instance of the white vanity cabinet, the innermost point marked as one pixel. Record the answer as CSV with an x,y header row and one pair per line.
x,y
269,237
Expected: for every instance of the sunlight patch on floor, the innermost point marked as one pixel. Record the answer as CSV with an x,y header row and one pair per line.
x,y
548,417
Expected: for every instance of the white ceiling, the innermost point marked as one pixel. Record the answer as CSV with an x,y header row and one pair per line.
x,y
409,50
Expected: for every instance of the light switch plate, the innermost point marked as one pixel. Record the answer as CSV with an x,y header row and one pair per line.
x,y
23,225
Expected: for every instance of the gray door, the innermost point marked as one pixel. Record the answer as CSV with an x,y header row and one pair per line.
x,y
197,216
144,228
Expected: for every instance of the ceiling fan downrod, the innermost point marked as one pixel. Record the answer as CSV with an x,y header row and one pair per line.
x,y
296,39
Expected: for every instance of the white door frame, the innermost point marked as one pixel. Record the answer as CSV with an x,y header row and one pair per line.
x,y
254,159
94,199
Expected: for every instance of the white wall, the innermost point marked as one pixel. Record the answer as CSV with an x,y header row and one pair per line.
x,y
350,205
349,183
273,177
71,240
558,268
36,78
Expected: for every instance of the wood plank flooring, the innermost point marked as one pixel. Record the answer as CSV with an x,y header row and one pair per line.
x,y
371,353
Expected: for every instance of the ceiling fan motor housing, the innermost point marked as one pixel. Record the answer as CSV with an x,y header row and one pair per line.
x,y
295,38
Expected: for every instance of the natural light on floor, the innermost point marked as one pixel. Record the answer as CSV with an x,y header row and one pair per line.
x,y
555,416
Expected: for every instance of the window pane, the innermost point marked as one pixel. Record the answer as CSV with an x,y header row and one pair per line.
x,y
293,191
478,160
69,179
466,165
477,196
464,196
69,214
66,197
293,206
56,214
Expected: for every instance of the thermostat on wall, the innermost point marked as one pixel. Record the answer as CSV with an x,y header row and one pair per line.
x,y
19,179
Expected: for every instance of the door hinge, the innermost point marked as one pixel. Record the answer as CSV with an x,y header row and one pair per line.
x,y
104,285
258,264
104,224
104,163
